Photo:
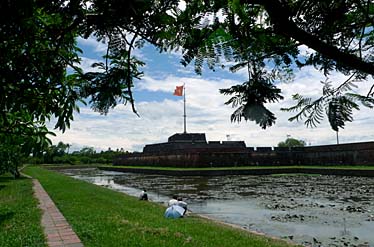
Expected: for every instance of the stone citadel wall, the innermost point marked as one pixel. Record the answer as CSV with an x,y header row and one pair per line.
x,y
223,154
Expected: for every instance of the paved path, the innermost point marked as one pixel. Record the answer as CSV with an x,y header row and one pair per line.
x,y
57,230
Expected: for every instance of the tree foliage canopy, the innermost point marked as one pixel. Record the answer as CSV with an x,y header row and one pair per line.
x,y
41,79
269,36
291,142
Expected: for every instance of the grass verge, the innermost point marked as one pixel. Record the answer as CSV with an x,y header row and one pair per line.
x,y
68,166
19,214
102,217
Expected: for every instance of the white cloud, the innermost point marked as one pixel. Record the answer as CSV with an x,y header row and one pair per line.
x,y
206,113
305,50
86,64
182,5
97,46
100,47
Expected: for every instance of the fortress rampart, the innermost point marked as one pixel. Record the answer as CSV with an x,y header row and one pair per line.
x,y
192,150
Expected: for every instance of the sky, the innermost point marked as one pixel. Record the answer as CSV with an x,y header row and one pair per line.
x,y
161,113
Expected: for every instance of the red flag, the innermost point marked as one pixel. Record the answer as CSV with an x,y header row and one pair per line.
x,y
178,91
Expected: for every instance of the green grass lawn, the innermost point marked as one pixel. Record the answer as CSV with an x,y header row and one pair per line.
x,y
19,214
67,166
102,217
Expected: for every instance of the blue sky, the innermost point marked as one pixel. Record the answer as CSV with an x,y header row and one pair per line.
x,y
161,113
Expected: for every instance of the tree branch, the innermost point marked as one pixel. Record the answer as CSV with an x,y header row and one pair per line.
x,y
370,93
129,80
280,17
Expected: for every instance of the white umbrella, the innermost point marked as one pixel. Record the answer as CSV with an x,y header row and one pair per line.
x,y
174,212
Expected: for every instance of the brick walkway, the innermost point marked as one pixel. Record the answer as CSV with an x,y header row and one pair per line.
x,y
57,230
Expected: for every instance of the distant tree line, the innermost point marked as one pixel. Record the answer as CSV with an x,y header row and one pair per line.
x,y
59,154
292,142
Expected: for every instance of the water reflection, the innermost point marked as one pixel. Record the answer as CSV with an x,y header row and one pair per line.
x,y
312,210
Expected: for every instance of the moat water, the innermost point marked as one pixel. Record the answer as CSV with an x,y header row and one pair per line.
x,y
310,210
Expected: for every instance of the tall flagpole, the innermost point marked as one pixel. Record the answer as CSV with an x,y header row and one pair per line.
x,y
184,115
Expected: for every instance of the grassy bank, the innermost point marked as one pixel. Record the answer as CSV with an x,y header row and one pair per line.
x,y
102,217
68,166
19,215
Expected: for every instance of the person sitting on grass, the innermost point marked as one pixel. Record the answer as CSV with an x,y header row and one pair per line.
x,y
182,204
173,201
143,195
